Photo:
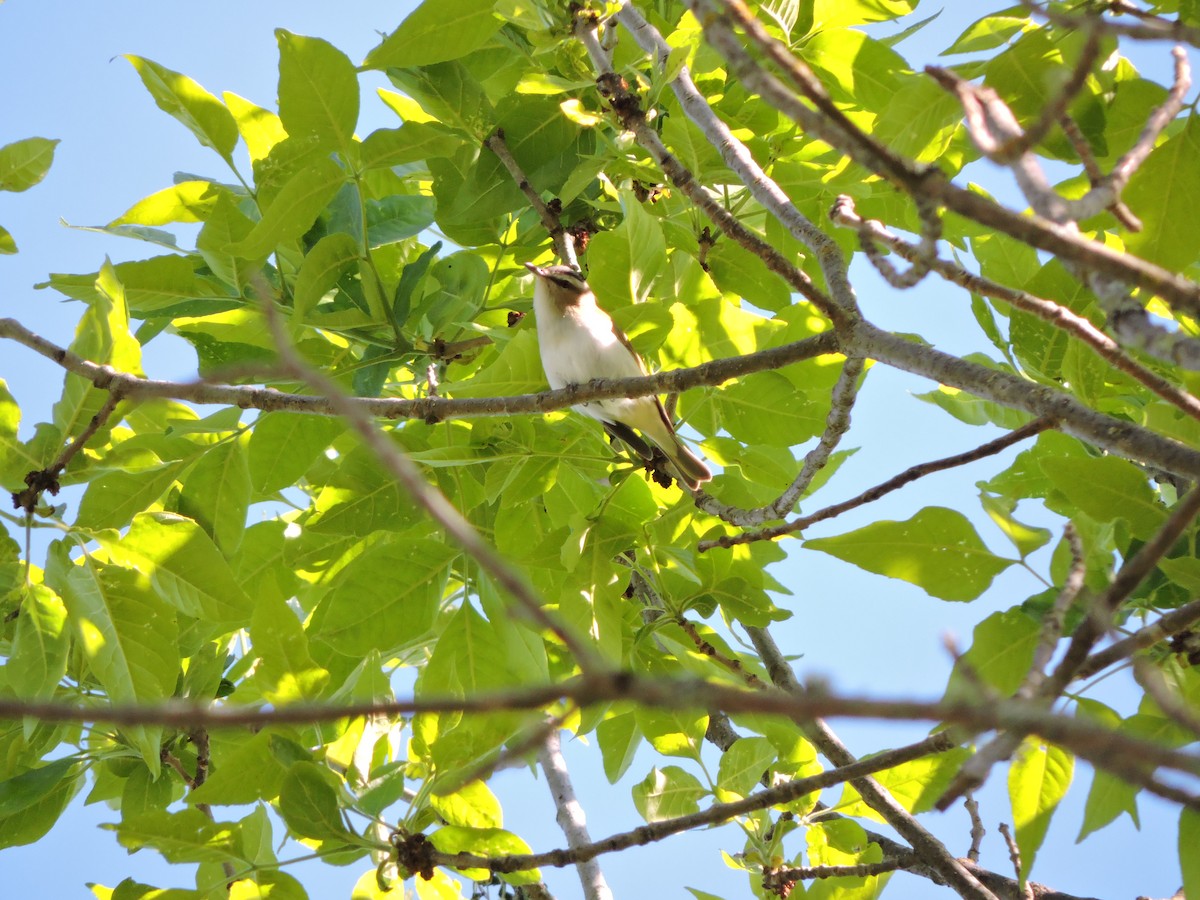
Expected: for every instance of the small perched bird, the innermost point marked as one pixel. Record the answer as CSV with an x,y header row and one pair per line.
x,y
579,343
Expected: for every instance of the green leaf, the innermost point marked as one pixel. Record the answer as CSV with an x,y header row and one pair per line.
x,y
283,446
937,549
915,785
293,210
187,836
396,218
33,820
188,201
260,128
765,408
834,13
1107,488
129,637
38,657
286,667
308,802
360,499
331,258
740,272
974,410
12,466
410,143
673,732
1001,652
24,790
24,163
318,90
619,740
744,764
1164,188
856,67
634,253
248,770
410,279
1026,538
485,842
8,244
1109,796
667,793
216,493
436,31
182,98
450,94
225,225
471,806
113,499
462,281
1037,780
384,599
157,287
1189,840
988,33
102,336
185,567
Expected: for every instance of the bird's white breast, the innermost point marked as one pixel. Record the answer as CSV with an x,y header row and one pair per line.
x,y
577,345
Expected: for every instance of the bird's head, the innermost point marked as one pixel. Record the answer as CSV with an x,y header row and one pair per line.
x,y
562,284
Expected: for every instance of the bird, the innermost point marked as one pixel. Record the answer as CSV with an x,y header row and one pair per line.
x,y
578,343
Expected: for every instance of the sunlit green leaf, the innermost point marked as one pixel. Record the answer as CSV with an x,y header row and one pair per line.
x,y
24,163
937,549
436,32
185,100
667,793
1037,781
318,90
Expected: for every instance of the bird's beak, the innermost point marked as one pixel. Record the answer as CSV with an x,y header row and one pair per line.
x,y
536,270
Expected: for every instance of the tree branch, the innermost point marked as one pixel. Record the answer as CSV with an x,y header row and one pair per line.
x,y
926,846
570,816
832,126
1172,622
1175,349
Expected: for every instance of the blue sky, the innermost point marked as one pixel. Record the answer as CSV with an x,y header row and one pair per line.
x,y
63,77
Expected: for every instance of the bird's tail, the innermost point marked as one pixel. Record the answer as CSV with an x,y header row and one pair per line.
x,y
691,470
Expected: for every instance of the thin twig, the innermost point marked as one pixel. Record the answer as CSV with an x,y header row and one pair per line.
x,y
741,162
977,830
1014,854
1053,112
562,242
47,479
837,422
926,846
1152,681
1026,431
733,664
1130,575
1089,740
832,125
1079,142
975,771
628,108
1177,351
1172,622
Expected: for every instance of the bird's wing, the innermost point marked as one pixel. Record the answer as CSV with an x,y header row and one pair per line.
x,y
641,365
